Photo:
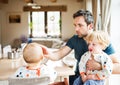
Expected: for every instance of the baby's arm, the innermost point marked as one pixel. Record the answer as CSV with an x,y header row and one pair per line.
x,y
83,76
82,66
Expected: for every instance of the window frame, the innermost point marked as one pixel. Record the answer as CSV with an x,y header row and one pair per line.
x,y
45,25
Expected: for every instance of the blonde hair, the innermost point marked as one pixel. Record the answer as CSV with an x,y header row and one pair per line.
x,y
32,53
101,37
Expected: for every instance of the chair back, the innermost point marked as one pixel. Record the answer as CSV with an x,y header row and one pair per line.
x,y
29,81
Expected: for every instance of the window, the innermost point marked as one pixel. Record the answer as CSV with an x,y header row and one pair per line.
x,y
45,24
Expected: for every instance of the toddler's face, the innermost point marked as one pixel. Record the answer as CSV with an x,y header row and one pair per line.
x,y
94,47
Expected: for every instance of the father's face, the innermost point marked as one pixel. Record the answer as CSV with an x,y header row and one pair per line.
x,y
81,26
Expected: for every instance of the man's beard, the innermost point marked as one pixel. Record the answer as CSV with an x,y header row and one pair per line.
x,y
82,36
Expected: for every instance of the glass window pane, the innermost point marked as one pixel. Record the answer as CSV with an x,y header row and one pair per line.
x,y
52,24
53,20
38,24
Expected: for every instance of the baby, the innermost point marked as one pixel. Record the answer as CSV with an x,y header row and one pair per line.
x,y
33,56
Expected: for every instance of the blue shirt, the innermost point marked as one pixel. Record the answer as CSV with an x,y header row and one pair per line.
x,y
80,47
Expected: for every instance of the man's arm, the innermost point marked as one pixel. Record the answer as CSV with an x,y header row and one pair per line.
x,y
116,64
59,54
93,65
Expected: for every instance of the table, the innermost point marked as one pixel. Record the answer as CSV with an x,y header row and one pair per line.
x,y
9,66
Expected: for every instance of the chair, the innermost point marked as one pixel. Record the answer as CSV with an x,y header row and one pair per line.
x,y
29,81
6,49
65,82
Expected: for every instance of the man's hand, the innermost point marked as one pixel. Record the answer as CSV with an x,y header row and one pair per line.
x,y
93,65
45,49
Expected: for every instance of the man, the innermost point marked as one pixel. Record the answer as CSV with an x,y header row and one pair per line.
x,y
83,22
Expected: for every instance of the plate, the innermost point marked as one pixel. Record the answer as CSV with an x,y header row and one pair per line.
x,y
69,60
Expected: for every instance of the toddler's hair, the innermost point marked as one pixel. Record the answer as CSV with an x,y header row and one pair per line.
x,y
99,36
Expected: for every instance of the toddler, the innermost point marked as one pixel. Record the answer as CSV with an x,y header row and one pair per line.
x,y
97,42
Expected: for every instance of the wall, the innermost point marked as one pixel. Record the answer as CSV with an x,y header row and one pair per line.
x,y
115,25
0,26
12,31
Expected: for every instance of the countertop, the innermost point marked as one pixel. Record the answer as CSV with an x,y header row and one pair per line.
x,y
9,66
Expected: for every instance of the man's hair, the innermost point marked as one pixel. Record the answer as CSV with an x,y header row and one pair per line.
x,y
86,14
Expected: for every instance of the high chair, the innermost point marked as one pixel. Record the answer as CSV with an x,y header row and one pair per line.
x,y
29,81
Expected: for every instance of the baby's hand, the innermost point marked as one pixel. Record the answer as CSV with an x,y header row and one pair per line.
x,y
84,78
93,77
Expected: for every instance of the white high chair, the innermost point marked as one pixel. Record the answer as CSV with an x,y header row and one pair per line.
x,y
29,81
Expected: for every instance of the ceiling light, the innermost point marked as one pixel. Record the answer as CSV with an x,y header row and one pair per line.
x,y
31,4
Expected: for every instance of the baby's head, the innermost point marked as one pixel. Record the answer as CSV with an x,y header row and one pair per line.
x,y
32,53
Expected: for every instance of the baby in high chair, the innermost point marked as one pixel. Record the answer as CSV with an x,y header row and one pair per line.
x,y
33,56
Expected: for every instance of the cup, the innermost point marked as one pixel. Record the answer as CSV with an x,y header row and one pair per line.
x,y
13,55
10,55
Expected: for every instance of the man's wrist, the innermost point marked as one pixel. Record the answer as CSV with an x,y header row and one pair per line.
x,y
99,66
